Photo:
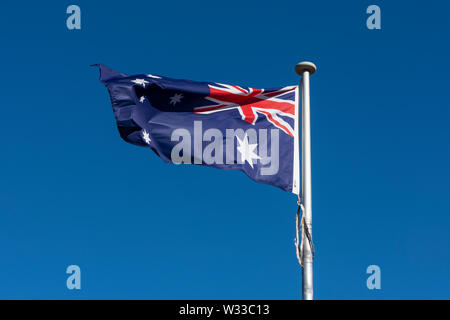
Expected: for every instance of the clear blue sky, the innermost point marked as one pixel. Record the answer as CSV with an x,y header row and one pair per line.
x,y
73,192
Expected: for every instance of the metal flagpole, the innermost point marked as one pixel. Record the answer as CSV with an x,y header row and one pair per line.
x,y
305,69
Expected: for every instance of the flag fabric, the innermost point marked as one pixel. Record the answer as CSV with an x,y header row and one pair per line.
x,y
212,124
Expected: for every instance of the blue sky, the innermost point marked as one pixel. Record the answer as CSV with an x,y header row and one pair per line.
x,y
72,192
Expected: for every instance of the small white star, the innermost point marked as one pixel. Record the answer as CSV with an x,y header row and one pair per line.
x,y
247,150
141,99
176,98
146,136
152,76
141,82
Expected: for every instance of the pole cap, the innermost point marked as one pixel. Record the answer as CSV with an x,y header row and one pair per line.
x,y
305,66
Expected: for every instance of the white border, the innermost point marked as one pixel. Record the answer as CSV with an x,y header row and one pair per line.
x,y
296,167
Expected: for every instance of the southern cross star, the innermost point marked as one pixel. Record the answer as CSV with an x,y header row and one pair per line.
x,y
247,150
176,98
146,136
141,82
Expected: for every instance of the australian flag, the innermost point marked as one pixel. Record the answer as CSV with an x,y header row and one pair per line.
x,y
212,124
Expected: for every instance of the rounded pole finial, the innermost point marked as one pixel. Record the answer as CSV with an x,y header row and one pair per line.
x,y
305,66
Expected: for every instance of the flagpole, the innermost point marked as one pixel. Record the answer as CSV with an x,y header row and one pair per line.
x,y
305,69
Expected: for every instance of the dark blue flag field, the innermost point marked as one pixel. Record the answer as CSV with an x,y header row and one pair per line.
x,y
212,124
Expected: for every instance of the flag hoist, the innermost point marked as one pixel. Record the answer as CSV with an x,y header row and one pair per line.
x,y
164,114
305,69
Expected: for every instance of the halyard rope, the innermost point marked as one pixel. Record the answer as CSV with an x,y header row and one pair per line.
x,y
300,225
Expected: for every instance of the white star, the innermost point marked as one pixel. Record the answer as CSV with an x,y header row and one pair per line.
x,y
247,150
141,99
141,82
176,98
152,76
146,136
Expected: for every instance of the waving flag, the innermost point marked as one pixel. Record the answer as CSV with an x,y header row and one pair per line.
x,y
213,124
